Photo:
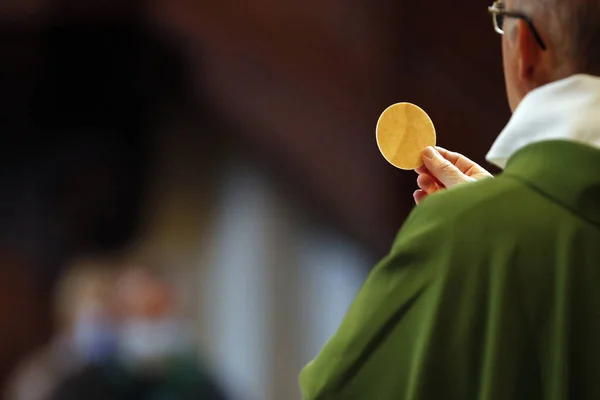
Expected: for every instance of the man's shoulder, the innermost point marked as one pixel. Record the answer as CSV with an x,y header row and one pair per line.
x,y
488,209
467,201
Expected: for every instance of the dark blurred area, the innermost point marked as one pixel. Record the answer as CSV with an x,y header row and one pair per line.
x,y
232,144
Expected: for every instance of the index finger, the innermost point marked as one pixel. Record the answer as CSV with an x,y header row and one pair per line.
x,y
451,156
461,162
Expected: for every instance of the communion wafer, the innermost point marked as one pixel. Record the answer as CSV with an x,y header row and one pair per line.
x,y
404,130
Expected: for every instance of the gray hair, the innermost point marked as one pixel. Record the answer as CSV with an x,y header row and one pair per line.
x,y
571,28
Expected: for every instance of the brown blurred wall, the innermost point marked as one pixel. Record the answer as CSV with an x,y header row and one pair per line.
x,y
297,87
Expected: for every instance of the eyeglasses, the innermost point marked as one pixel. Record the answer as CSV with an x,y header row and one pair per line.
x,y
499,14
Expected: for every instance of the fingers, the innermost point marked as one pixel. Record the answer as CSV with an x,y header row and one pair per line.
x,y
442,169
419,195
451,156
465,165
422,170
428,184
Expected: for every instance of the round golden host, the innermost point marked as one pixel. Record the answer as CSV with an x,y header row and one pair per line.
x,y
404,130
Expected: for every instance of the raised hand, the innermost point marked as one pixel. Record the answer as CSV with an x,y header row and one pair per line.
x,y
444,169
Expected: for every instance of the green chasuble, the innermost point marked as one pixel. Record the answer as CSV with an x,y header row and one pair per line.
x,y
491,291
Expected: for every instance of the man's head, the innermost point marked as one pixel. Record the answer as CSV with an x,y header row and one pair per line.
x,y
144,292
570,29
85,291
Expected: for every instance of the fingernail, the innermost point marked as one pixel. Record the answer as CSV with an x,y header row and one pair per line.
x,y
429,153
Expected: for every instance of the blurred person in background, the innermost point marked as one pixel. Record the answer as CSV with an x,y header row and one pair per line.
x,y
156,356
86,331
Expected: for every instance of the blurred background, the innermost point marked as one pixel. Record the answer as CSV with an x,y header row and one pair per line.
x,y
190,190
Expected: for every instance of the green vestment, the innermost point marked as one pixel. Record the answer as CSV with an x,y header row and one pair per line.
x,y
491,291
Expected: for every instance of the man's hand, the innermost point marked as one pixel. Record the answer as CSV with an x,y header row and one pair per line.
x,y
444,169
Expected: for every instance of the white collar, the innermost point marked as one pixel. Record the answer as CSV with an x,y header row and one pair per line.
x,y
568,109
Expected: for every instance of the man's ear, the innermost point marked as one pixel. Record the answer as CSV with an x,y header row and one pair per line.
x,y
531,71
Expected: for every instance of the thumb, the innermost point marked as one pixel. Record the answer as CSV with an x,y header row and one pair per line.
x,y
443,170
